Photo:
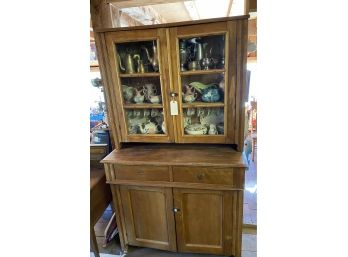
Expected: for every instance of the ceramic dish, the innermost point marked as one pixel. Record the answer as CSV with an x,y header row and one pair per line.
x,y
196,129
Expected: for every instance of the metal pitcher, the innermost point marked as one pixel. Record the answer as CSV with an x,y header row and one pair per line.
x,y
198,51
154,59
129,63
183,52
140,64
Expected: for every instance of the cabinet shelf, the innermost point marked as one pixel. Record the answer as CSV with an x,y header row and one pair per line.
x,y
140,75
201,72
202,104
142,106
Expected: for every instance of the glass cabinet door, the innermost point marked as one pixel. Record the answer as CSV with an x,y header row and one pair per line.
x,y
136,59
201,62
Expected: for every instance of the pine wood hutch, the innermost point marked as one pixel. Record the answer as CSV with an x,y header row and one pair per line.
x,y
177,176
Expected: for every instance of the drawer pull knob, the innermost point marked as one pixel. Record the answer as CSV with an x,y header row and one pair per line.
x,y
200,176
176,210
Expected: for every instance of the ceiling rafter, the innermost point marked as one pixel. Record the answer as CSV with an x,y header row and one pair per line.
x,y
229,8
138,3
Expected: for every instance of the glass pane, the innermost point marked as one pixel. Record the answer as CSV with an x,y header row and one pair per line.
x,y
208,88
202,53
203,121
137,57
145,121
141,90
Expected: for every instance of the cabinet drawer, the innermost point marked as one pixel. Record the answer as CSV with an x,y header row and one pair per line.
x,y
209,175
98,150
142,173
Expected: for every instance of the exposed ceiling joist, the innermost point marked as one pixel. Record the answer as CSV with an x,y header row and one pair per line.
x,y
137,3
229,8
191,8
146,15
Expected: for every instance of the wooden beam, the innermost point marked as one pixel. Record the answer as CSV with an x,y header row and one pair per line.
x,y
252,5
137,3
229,8
100,14
192,10
246,7
146,15
129,20
115,15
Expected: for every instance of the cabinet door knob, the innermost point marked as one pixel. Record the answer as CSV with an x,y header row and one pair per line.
x,y
200,176
176,210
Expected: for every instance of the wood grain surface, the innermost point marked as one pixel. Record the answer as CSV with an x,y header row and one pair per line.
x,y
187,155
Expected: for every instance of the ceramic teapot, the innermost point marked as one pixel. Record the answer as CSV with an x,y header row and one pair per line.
x,y
139,96
190,95
128,93
196,129
132,129
211,94
155,99
149,90
149,128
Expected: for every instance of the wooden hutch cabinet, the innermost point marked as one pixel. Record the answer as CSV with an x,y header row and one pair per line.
x,y
175,95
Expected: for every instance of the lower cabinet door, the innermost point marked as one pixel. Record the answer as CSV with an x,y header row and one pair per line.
x,y
149,216
204,221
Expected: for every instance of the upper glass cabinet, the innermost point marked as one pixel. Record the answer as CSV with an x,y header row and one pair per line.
x,y
141,85
175,84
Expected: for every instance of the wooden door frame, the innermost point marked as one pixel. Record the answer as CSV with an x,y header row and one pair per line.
x,y
217,28
132,36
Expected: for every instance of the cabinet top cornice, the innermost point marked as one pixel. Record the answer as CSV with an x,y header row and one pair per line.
x,y
177,155
174,24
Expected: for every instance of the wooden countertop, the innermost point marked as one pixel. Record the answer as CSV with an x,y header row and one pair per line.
x,y
177,155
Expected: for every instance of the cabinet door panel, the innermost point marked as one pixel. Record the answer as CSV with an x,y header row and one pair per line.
x,y
203,66
204,221
149,216
138,62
